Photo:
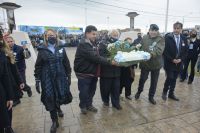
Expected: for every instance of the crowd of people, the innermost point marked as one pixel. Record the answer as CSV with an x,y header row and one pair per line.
x,y
67,40
92,62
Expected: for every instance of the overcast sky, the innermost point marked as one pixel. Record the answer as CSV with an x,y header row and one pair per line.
x,y
106,14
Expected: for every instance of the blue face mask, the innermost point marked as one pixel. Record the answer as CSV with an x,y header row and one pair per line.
x,y
52,40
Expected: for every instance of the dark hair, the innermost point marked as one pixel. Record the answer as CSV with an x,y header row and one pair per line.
x,y
154,27
178,23
128,38
90,28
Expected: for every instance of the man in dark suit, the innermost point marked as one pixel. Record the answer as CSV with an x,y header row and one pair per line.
x,y
174,53
192,56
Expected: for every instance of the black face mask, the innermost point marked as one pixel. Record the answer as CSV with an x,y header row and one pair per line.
x,y
193,35
185,34
52,40
112,39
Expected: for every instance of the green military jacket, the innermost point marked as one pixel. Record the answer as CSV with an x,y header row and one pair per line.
x,y
155,46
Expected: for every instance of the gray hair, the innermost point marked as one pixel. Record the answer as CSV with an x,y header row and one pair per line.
x,y
113,31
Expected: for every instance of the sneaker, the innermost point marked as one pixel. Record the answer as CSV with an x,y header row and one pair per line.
x,y
137,96
106,104
189,82
173,97
118,107
29,92
84,111
92,109
129,97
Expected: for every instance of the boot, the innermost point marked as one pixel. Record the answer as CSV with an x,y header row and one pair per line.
x,y
137,95
152,101
60,113
9,130
54,126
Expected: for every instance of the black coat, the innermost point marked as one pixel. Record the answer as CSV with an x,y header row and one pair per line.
x,y
171,52
19,57
108,71
193,53
15,79
6,92
87,59
53,70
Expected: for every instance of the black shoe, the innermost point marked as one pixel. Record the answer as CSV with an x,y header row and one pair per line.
x,y
9,130
189,82
152,101
16,102
182,80
173,97
164,96
137,96
129,97
92,109
54,126
60,113
118,107
29,92
106,104
84,111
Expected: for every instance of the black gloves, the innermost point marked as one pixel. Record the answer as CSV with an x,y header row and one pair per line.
x,y
37,85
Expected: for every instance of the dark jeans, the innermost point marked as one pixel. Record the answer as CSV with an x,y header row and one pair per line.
x,y
170,82
127,85
110,86
53,113
87,89
154,80
193,61
23,76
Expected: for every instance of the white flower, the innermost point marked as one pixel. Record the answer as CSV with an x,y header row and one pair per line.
x,y
138,46
131,56
110,45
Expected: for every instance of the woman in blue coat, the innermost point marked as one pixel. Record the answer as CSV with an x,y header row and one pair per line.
x,y
53,71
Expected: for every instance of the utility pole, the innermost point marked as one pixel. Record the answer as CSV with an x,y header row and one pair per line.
x,y
85,13
166,18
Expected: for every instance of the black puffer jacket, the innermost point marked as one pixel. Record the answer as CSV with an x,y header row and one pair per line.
x,y
87,59
53,70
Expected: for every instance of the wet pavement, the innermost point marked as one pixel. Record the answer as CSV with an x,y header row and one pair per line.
x,y
136,117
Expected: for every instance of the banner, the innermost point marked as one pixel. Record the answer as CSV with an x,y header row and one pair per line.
x,y
35,30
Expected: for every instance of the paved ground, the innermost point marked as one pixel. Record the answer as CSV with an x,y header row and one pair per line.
x,y
136,117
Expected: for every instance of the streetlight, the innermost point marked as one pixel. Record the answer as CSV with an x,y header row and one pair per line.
x,y
85,13
132,16
10,7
